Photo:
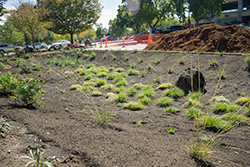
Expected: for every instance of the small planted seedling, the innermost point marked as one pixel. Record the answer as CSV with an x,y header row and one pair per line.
x,y
222,75
202,52
172,110
235,86
170,70
164,102
133,72
138,123
174,93
149,67
157,61
140,60
171,130
181,61
213,62
126,58
133,106
247,63
145,101
92,56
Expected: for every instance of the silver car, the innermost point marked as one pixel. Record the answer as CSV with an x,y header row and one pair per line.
x,y
7,48
59,44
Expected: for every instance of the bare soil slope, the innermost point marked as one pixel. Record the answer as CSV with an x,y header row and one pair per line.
x,y
66,129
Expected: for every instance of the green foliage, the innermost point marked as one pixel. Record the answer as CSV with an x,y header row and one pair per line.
x,y
8,83
66,61
108,87
192,103
80,15
101,74
140,60
181,61
247,63
133,72
243,101
147,91
111,76
174,93
25,70
131,91
157,61
145,100
4,126
171,130
170,70
133,106
100,83
121,98
87,88
75,87
164,102
149,67
213,62
92,56
236,119
96,93
101,116
164,86
78,54
215,123
194,95
126,58
119,70
222,75
37,159
88,77
193,113
28,91
172,110
224,108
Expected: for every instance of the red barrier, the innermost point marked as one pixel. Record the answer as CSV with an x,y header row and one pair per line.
x,y
123,41
149,39
106,42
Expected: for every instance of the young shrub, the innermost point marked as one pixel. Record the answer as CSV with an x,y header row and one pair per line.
x,y
108,87
192,103
193,113
88,77
224,108
121,98
247,63
149,67
215,123
101,74
8,83
164,102
28,91
164,86
111,76
92,56
243,101
145,101
140,60
119,70
138,86
222,75
133,72
172,110
87,88
157,61
236,119
131,91
85,56
75,87
100,83
194,95
174,93
134,106
96,93
213,62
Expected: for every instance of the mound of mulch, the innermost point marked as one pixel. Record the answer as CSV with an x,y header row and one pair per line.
x,y
209,38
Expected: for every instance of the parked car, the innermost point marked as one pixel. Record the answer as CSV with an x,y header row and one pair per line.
x,y
109,38
141,36
59,44
41,46
172,29
9,48
155,30
245,25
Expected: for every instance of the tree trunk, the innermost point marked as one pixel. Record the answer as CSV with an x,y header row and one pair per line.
x,y
33,41
196,23
71,38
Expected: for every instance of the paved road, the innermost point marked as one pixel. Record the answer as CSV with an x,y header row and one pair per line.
x,y
118,45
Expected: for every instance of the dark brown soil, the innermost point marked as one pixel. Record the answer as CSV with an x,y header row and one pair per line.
x,y
209,38
66,129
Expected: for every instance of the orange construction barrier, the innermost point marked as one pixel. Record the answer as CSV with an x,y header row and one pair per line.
x,y
123,45
149,39
106,42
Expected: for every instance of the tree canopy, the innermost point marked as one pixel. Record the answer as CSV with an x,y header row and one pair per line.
x,y
71,16
29,19
1,7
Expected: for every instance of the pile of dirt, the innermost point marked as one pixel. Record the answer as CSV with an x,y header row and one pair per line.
x,y
210,38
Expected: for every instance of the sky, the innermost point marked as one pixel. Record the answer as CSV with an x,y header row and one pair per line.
x,y
109,10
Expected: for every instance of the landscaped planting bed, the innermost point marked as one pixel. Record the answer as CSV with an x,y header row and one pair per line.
x,y
122,108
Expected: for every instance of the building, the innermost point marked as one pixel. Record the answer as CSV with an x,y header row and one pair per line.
x,y
234,12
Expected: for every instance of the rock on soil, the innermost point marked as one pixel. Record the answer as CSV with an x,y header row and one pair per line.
x,y
209,38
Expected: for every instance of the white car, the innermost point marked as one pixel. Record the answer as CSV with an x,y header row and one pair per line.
x,y
41,46
59,44
4,48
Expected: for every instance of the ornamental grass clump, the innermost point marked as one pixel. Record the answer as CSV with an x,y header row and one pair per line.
x,y
121,98
243,101
145,100
131,91
133,72
174,93
164,102
172,110
193,113
224,108
164,86
134,106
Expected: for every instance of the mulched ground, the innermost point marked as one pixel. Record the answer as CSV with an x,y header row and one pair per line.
x,y
65,128
209,38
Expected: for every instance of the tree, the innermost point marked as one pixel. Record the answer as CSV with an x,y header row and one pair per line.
x,y
29,19
100,31
2,8
9,34
205,8
71,16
